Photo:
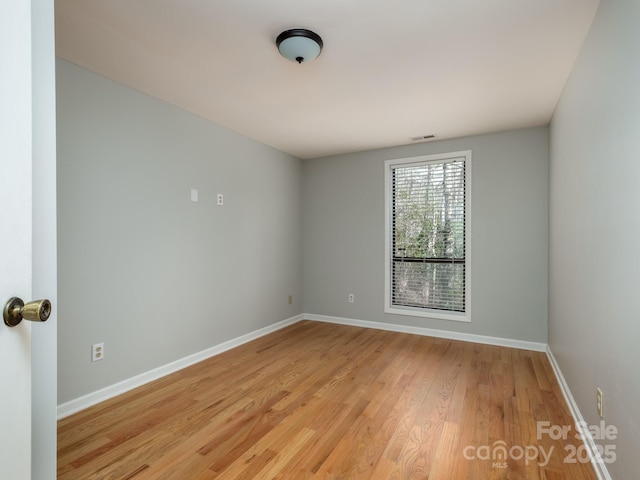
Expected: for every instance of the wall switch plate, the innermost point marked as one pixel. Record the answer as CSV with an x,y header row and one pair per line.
x,y
194,194
97,352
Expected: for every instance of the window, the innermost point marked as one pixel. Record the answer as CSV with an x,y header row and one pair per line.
x,y
427,251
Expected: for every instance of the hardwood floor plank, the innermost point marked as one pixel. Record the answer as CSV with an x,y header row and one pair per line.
x,y
320,401
444,463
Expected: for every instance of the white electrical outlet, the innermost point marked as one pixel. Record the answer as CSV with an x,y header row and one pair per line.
x,y
599,404
220,199
97,352
352,298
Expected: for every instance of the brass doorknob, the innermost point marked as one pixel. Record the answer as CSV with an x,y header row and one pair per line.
x,y
15,310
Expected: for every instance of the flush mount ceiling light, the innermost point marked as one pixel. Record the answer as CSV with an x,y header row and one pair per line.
x,y
299,45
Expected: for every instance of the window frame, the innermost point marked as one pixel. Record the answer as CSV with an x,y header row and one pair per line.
x,y
389,165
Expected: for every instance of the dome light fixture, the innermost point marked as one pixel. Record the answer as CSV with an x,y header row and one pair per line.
x,y
299,45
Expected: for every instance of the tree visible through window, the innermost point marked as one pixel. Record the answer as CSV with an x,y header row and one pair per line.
x,y
428,210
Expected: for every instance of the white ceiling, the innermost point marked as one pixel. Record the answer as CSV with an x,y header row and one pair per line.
x,y
390,70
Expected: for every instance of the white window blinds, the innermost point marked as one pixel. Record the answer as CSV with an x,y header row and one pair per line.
x,y
428,266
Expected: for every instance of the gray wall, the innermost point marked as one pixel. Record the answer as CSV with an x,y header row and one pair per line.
x,y
142,268
595,228
343,234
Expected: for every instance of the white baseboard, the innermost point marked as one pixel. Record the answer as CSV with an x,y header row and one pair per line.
x,y
429,332
599,467
111,391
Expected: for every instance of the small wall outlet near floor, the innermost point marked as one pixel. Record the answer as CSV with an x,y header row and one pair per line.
x,y
97,352
290,299
599,404
352,298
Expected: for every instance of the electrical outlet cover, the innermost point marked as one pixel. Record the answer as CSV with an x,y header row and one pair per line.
x,y
599,402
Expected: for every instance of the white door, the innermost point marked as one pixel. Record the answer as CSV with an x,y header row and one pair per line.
x,y
21,129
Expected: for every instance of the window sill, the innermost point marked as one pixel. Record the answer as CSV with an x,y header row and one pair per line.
x,y
435,314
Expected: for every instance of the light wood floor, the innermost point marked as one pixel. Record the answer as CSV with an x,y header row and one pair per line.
x,y
323,401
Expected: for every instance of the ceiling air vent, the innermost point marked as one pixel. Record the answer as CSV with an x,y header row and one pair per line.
x,y
422,137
